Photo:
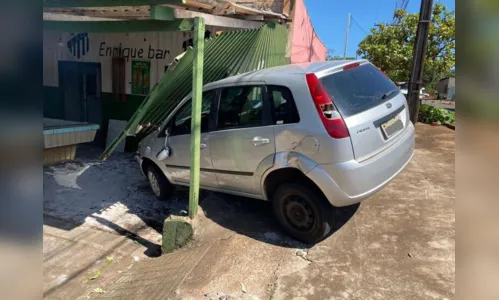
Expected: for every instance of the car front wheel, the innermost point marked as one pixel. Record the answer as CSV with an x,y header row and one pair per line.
x,y
160,186
302,212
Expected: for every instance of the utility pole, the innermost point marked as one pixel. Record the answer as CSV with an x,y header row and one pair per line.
x,y
197,99
419,54
346,38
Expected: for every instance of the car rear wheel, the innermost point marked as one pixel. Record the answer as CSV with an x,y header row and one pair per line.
x,y
304,215
160,186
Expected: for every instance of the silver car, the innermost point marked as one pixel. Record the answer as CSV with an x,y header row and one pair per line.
x,y
307,137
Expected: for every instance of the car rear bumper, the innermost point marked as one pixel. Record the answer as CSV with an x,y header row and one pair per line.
x,y
350,182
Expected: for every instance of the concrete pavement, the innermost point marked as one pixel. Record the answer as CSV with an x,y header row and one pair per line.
x,y
397,245
81,259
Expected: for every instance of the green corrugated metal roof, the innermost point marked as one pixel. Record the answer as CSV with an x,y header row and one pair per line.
x,y
229,54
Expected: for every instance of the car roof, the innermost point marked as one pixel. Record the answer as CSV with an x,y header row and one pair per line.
x,y
282,71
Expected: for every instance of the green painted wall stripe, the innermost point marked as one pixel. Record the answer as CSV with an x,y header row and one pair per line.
x,y
119,26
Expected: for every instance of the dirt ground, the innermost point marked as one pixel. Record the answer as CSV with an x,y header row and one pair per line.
x,y
399,244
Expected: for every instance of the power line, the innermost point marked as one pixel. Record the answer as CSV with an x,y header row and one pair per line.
x,y
399,4
360,27
349,24
404,5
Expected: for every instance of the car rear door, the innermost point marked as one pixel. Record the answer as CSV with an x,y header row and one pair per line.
x,y
373,108
243,138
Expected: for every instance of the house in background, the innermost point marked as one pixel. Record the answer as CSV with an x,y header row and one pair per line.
x,y
303,43
101,76
446,89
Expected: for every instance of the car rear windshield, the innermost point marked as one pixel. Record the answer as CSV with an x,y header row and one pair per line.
x,y
358,89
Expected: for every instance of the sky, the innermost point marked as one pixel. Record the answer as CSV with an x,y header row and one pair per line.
x,y
329,18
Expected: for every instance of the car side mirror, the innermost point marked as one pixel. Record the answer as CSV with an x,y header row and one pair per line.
x,y
163,154
166,151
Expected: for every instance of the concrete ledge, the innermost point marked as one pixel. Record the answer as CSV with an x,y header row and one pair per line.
x,y
177,231
58,154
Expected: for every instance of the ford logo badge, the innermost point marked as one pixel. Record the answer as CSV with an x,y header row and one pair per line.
x,y
388,105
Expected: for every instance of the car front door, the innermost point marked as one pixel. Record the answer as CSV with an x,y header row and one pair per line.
x,y
179,142
242,139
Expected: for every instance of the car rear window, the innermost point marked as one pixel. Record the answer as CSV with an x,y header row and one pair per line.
x,y
358,89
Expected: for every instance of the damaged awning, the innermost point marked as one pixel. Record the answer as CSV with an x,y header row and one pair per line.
x,y
228,54
140,9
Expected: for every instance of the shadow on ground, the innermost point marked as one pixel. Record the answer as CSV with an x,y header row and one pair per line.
x,y
114,196
254,218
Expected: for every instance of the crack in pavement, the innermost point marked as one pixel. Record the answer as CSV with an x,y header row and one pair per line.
x,y
275,283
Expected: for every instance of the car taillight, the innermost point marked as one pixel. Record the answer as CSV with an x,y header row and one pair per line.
x,y
330,117
351,66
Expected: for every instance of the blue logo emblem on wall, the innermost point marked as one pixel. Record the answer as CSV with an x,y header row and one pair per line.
x,y
79,44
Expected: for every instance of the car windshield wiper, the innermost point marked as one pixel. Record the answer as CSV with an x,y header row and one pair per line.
x,y
388,94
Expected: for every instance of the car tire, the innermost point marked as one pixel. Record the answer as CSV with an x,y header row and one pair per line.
x,y
159,184
303,213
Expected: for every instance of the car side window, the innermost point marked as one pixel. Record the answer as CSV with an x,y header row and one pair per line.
x,y
241,106
181,122
283,105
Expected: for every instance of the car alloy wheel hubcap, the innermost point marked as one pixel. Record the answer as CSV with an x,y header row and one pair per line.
x,y
299,213
153,181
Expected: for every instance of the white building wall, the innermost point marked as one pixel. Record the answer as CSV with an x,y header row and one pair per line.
x,y
55,49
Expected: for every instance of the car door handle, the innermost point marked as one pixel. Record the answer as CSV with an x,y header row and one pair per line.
x,y
258,141
202,145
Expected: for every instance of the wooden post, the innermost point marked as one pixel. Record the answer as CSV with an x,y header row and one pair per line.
x,y
197,99
419,54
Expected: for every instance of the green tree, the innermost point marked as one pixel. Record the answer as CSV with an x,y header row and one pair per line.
x,y
390,47
452,73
